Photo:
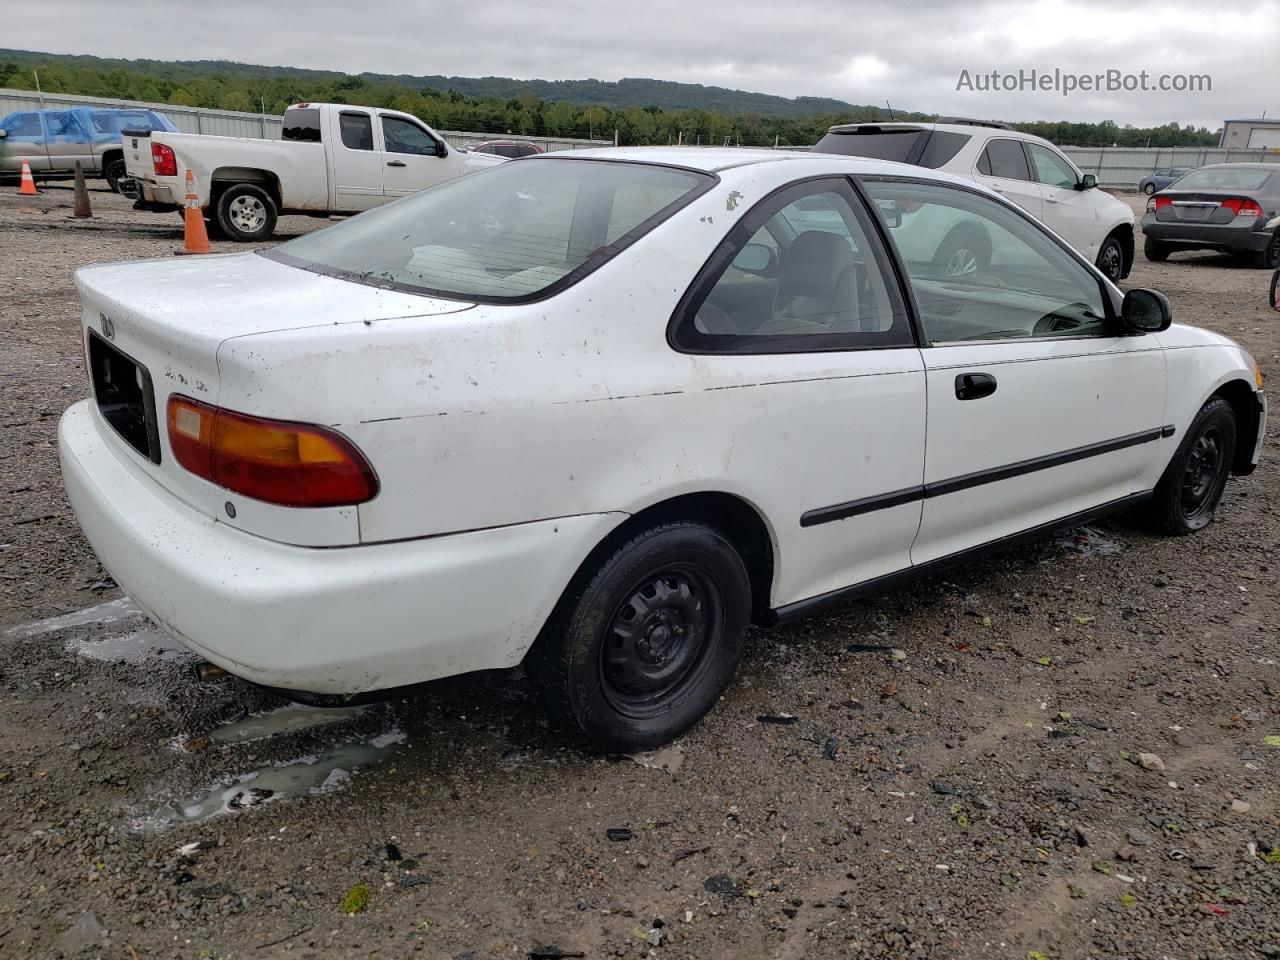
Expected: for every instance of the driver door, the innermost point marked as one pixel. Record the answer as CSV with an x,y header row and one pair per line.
x,y
414,160
1037,408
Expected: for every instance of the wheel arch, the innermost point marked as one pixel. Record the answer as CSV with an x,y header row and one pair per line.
x,y
108,156
1244,405
224,177
739,521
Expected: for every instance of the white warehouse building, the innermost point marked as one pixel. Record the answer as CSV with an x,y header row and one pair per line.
x,y
1251,133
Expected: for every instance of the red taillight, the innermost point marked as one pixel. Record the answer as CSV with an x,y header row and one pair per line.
x,y
291,464
1242,207
162,158
1163,202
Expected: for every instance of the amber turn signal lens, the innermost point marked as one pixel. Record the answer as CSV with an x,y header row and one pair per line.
x,y
278,461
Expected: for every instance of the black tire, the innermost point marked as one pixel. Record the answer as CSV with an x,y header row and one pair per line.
x,y
1149,189
1154,250
113,172
965,251
1269,259
1189,490
1111,259
1275,290
245,212
640,649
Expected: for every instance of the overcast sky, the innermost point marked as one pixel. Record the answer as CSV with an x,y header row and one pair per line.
x,y
910,52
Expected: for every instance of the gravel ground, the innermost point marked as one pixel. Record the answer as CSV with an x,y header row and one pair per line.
x,y
953,769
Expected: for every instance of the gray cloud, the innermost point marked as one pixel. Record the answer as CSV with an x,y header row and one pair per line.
x,y
910,54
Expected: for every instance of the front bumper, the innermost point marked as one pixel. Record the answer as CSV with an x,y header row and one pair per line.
x,y
342,620
1219,236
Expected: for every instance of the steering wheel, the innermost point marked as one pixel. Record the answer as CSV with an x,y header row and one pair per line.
x,y
1057,322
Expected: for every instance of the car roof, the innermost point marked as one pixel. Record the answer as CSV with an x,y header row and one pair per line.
x,y
718,159
967,128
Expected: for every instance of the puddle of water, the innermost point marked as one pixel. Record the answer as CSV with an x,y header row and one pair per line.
x,y
670,758
309,775
288,719
112,611
1090,542
149,645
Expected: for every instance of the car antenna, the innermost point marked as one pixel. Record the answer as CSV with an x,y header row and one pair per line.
x,y
886,103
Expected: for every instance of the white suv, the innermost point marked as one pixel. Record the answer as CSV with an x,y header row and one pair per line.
x,y
1029,170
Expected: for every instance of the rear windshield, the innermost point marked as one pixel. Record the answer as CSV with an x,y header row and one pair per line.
x,y
301,124
1224,178
924,148
513,232
113,121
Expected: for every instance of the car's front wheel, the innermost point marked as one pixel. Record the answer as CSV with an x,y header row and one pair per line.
x,y
964,252
1111,259
1149,189
246,212
1188,493
1155,250
639,650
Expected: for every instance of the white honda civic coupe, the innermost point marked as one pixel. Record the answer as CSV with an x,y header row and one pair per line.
x,y
596,412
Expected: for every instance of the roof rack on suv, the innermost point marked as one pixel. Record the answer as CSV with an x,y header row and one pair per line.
x,y
969,122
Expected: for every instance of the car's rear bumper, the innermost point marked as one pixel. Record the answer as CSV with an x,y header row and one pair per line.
x,y
153,196
1225,236
342,620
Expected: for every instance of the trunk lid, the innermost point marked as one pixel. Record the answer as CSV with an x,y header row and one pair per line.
x,y
153,328
1202,206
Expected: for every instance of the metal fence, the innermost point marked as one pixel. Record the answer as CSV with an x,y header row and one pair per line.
x,y
1125,166
233,123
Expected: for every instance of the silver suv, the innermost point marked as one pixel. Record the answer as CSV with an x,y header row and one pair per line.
x,y
1028,170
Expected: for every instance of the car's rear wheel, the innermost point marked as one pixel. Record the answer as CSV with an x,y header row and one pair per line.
x,y
1111,259
639,650
1188,493
1149,189
1269,259
246,212
1155,250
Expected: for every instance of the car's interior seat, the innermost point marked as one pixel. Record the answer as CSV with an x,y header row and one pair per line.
x,y
817,285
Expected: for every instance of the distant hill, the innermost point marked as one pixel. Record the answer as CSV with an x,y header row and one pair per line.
x,y
628,92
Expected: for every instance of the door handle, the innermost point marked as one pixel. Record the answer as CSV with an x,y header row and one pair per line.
x,y
974,386
997,188
396,163
1050,199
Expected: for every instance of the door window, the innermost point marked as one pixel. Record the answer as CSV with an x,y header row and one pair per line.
x,y
800,272
401,136
981,271
22,125
1004,158
63,127
1051,169
357,130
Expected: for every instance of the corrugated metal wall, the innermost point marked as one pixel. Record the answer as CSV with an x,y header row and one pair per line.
x,y
231,123
1125,166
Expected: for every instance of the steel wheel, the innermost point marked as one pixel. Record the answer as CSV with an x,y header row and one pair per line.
x,y
1203,477
656,638
1111,259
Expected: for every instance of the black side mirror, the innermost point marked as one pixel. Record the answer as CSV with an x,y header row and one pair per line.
x,y
1087,182
441,149
1145,311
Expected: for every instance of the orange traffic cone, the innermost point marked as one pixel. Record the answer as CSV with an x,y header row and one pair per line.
x,y
28,188
195,238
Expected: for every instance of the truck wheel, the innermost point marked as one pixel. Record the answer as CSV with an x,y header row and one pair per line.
x,y
1154,250
246,212
113,172
640,648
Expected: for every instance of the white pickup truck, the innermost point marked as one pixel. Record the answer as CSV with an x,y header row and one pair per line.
x,y
332,159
